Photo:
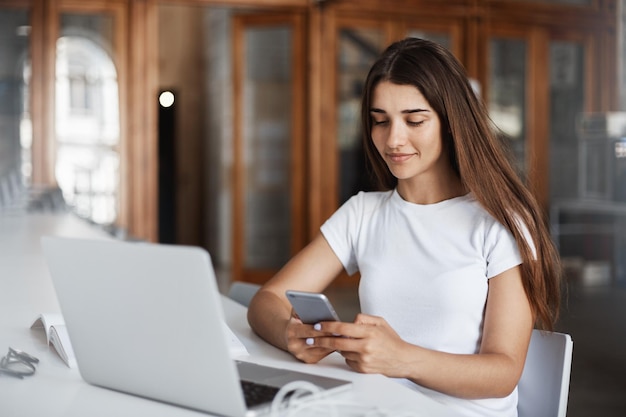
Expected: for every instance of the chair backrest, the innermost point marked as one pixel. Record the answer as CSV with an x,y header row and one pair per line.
x,y
242,292
543,389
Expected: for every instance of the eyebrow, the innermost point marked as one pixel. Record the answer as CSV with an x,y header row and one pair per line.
x,y
408,111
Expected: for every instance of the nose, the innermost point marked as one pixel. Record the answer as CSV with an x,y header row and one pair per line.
x,y
396,136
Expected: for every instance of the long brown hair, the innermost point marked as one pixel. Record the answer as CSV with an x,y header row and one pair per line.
x,y
478,157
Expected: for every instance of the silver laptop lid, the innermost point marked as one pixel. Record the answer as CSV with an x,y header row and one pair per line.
x,y
146,319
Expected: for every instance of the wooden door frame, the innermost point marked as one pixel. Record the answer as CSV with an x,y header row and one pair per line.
x,y
536,92
298,164
328,169
141,202
596,98
118,11
136,64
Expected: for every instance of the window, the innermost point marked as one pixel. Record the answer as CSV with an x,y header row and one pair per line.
x,y
87,124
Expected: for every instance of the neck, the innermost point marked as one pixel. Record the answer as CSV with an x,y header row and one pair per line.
x,y
431,191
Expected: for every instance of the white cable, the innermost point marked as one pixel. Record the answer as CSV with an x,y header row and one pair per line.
x,y
307,396
298,388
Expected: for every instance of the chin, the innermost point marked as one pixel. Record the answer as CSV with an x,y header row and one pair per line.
x,y
401,174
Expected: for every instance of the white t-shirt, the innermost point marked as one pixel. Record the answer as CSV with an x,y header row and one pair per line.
x,y
425,270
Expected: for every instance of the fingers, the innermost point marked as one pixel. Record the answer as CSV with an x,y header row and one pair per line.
x,y
368,345
335,343
301,342
311,343
359,329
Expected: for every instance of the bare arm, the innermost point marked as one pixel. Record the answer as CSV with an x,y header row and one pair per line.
x,y
374,347
495,371
313,269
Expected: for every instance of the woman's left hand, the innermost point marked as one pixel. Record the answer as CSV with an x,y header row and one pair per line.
x,y
369,345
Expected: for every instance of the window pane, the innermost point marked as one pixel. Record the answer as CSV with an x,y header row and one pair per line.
x,y
566,105
15,123
87,116
267,146
358,49
507,102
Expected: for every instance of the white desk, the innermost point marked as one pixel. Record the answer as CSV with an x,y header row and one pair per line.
x,y
56,390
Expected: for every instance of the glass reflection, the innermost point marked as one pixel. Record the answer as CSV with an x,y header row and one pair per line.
x,y
87,122
506,101
15,119
566,104
358,49
267,146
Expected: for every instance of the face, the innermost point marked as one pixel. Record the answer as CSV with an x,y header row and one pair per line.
x,y
406,131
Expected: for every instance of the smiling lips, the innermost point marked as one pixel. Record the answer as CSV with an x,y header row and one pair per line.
x,y
398,158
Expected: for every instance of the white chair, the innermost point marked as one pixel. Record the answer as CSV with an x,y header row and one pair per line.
x,y
543,388
242,292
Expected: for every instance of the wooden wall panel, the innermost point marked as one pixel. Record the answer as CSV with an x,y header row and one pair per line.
x,y
142,159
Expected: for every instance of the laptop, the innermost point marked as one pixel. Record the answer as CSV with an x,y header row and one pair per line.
x,y
147,319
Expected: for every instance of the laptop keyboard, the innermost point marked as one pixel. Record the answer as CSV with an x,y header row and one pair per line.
x,y
256,394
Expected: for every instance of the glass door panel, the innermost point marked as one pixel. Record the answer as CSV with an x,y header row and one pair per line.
x,y
567,102
357,50
87,116
267,146
15,119
507,95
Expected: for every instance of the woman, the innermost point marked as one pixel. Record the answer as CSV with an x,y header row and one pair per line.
x,y
456,261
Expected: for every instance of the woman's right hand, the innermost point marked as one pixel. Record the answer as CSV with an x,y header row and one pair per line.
x,y
297,334
270,314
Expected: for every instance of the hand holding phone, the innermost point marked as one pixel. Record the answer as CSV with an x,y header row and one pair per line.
x,y
311,307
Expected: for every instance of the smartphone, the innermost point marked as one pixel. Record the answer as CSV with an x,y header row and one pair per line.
x,y
311,307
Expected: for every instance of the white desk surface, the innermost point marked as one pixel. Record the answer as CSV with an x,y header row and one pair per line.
x,y
56,390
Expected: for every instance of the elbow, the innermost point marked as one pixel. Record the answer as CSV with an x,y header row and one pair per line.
x,y
265,310
507,385
496,390
252,314
506,375
504,390
500,384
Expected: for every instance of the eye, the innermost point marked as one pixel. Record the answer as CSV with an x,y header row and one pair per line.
x,y
411,123
379,122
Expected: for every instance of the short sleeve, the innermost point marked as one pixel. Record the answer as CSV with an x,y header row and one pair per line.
x,y
341,230
502,252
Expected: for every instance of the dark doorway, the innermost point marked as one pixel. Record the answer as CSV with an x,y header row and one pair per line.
x,y
167,167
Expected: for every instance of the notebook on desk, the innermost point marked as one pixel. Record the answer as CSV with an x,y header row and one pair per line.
x,y
146,319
